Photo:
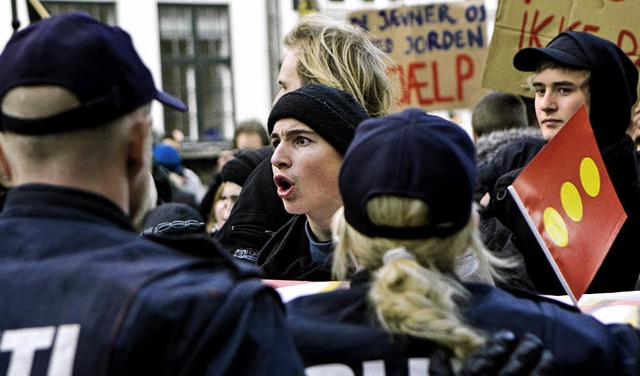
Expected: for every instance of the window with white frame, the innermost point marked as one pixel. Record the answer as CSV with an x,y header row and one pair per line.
x,y
104,11
196,67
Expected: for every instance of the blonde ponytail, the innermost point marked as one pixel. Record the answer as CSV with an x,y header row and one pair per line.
x,y
414,291
409,299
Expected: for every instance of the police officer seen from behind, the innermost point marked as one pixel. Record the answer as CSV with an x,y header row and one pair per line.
x,y
82,293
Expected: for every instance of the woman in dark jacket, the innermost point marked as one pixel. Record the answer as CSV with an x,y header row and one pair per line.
x,y
310,129
407,183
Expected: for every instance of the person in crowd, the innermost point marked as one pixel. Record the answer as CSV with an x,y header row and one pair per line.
x,y
634,127
186,181
634,132
227,186
163,184
188,186
497,111
223,201
320,50
174,138
325,51
310,129
82,292
250,134
497,119
223,157
407,184
576,68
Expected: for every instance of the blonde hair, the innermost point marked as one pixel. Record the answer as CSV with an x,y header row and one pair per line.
x,y
414,292
212,219
337,54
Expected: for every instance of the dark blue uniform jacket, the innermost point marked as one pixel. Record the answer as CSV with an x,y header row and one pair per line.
x,y
335,331
82,293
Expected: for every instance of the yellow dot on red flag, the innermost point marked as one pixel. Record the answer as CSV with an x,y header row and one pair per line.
x,y
590,176
571,201
555,227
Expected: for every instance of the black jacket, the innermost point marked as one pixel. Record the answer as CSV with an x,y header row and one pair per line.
x,y
286,255
257,214
337,328
512,156
102,300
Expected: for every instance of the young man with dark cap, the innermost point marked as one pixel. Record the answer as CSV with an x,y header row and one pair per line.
x,y
576,68
82,293
407,184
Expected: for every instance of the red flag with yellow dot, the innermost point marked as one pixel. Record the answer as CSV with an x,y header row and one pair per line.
x,y
567,197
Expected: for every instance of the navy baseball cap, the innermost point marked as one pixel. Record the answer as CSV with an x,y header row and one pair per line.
x,y
565,48
92,60
415,155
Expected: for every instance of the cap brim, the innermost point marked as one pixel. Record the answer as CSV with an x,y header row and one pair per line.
x,y
527,59
171,101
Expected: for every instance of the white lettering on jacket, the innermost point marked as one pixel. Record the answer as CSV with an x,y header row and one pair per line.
x,y
24,342
417,366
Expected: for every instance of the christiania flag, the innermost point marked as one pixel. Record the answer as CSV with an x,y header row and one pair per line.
x,y
567,198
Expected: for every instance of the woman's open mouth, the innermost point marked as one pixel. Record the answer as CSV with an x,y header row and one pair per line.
x,y
285,186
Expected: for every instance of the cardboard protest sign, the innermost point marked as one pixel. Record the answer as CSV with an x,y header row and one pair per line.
x,y
439,51
533,23
570,204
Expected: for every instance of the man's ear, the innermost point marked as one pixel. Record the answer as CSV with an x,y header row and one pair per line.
x,y
139,146
5,168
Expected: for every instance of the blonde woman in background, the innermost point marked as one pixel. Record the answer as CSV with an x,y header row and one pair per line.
x,y
320,50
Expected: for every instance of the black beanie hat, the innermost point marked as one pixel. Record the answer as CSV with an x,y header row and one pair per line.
x,y
331,112
238,170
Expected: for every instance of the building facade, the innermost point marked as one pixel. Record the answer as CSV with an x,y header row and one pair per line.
x,y
221,57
